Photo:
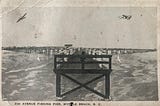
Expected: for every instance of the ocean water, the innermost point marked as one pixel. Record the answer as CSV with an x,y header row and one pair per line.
x,y
31,77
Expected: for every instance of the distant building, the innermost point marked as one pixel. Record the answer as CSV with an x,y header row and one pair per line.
x,y
68,45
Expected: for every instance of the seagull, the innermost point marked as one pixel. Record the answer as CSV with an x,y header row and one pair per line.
x,y
128,17
35,36
21,18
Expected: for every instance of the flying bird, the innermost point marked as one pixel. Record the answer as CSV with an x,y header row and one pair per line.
x,y
35,36
21,18
128,17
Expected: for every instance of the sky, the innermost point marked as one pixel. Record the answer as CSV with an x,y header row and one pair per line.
x,y
98,27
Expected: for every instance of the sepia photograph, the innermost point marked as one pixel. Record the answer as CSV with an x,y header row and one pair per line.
x,y
79,54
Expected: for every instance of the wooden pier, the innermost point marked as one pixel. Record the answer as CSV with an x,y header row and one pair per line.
x,y
82,59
